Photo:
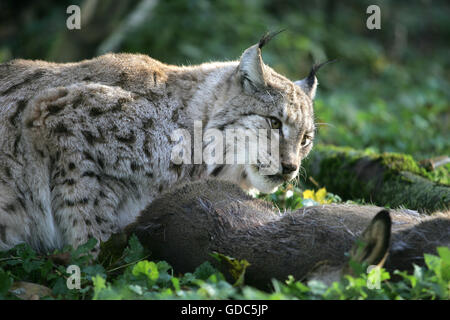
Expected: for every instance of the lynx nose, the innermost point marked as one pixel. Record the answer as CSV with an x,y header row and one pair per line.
x,y
288,167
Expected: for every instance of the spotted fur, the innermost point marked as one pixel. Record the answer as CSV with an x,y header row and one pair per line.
x,y
85,146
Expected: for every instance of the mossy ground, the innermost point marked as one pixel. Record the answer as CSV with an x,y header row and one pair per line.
x,y
385,179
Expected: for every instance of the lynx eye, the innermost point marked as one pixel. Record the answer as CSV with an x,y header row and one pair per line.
x,y
275,123
307,139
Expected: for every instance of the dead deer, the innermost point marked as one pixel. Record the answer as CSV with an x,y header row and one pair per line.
x,y
187,224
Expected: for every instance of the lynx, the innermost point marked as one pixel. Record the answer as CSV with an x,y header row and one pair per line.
x,y
86,146
184,226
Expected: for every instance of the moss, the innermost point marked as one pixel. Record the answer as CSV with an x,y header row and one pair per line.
x,y
398,162
441,174
387,178
394,162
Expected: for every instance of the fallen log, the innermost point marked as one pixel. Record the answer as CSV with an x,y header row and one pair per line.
x,y
385,179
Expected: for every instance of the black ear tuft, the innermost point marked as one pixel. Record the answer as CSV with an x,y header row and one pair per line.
x,y
267,37
315,68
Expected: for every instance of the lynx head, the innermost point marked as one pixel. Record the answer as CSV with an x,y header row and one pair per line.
x,y
255,98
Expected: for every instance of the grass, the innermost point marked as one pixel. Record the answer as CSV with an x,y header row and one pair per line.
x,y
132,276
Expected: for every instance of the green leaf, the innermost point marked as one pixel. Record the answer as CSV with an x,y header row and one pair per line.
x,y
146,268
31,265
235,267
94,270
135,251
205,270
444,253
83,251
5,282
60,287
176,284
99,285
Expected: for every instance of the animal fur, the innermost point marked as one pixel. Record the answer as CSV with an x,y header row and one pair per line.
x,y
184,226
86,146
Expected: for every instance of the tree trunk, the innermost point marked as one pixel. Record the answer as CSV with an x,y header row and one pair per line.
x,y
387,179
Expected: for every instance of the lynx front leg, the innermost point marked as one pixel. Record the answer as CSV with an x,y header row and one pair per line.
x,y
83,205
14,223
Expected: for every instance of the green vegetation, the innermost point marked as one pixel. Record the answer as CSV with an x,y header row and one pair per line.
x,y
389,91
134,277
385,179
394,163
291,197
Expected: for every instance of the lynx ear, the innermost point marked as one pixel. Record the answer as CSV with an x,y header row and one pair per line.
x,y
251,69
251,66
373,245
309,84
